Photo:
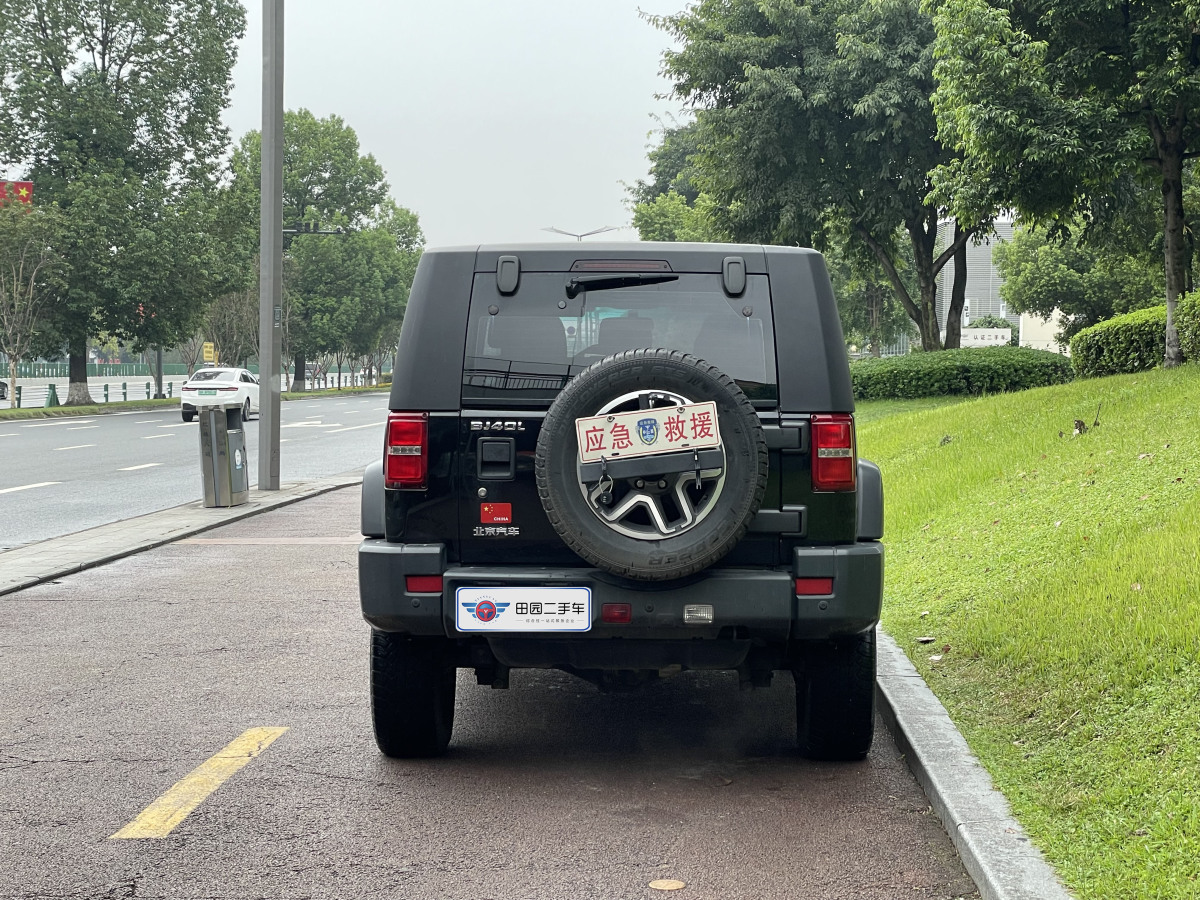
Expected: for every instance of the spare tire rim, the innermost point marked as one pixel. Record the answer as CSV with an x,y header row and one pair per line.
x,y
650,509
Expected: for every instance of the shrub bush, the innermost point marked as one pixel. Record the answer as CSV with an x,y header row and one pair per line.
x,y
1133,342
969,371
1187,322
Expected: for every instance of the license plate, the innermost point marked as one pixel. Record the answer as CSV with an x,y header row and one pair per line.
x,y
523,609
644,432
202,393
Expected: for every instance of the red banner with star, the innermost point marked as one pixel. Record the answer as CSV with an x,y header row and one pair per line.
x,y
22,190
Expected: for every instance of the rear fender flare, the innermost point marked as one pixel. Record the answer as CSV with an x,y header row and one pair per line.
x,y
372,508
870,501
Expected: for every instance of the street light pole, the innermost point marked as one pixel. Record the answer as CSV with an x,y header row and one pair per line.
x,y
578,236
270,290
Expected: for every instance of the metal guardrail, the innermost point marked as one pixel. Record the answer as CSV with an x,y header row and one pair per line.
x,y
123,370
40,396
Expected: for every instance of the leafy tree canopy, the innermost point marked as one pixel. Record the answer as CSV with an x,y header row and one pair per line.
x,y
671,166
114,111
1088,284
326,178
813,124
1049,102
669,217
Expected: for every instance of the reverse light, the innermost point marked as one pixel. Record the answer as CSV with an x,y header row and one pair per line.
x,y
698,614
834,462
406,452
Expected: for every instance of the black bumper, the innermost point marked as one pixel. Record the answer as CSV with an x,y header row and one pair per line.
x,y
755,605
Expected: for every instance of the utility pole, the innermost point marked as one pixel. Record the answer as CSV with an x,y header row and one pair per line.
x,y
270,291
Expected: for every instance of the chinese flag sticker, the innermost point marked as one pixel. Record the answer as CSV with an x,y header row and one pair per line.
x,y
495,513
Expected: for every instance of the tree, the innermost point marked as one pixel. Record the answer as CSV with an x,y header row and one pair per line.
x,y
31,278
355,285
669,217
1086,282
114,110
815,124
1051,102
870,313
326,181
671,166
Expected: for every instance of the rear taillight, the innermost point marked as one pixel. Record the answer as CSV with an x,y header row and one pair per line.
x,y
406,451
834,463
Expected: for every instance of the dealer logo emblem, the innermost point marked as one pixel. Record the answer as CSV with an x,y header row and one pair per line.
x,y
647,430
485,610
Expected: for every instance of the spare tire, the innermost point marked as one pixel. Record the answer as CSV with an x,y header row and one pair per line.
x,y
646,524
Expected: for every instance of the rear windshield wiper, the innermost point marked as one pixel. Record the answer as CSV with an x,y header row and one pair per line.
x,y
577,286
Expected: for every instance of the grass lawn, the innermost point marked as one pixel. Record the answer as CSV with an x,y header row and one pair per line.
x,y
1059,578
98,409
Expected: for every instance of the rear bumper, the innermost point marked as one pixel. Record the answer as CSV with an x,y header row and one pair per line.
x,y
749,605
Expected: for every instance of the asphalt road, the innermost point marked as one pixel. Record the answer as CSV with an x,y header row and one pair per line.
x,y
119,681
60,476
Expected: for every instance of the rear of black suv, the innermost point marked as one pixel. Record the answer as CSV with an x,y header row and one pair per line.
x,y
622,461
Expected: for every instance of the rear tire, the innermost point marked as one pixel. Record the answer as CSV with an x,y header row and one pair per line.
x,y
412,695
835,697
188,416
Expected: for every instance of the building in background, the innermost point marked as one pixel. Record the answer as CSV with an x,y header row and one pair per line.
x,y
983,281
983,295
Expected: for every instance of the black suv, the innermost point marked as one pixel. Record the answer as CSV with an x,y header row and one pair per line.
x,y
621,460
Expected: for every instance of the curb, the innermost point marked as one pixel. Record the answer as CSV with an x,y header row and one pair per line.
x,y
49,559
993,846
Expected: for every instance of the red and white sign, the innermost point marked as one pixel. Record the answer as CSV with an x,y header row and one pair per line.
x,y
644,432
495,513
22,190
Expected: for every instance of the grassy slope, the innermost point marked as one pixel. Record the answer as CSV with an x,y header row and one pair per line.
x,y
1063,575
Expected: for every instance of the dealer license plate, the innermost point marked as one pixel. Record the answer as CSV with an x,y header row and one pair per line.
x,y
523,609
644,432
211,393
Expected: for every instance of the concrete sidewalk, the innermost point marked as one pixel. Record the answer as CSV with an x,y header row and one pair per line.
x,y
991,843
46,560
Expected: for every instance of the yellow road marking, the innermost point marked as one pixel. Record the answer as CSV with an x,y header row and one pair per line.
x,y
160,818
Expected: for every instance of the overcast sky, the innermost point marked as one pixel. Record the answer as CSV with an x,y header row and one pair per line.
x,y
492,119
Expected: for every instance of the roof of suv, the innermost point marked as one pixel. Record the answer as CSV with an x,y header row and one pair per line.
x,y
813,373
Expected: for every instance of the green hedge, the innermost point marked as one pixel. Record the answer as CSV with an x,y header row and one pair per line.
x,y
970,371
1133,342
1187,323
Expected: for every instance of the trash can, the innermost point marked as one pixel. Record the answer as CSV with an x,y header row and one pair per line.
x,y
223,462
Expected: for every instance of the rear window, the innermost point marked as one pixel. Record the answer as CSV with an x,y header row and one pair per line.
x,y
213,375
527,346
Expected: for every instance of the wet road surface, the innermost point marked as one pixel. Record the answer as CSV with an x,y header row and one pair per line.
x,y
117,682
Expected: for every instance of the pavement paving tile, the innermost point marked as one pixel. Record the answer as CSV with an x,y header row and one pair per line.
x,y
44,560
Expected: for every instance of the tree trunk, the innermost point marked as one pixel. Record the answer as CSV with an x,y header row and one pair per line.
x,y
876,295
12,382
958,293
298,378
923,234
77,392
1175,247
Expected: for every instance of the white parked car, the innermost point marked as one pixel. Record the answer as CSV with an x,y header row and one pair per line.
x,y
212,387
